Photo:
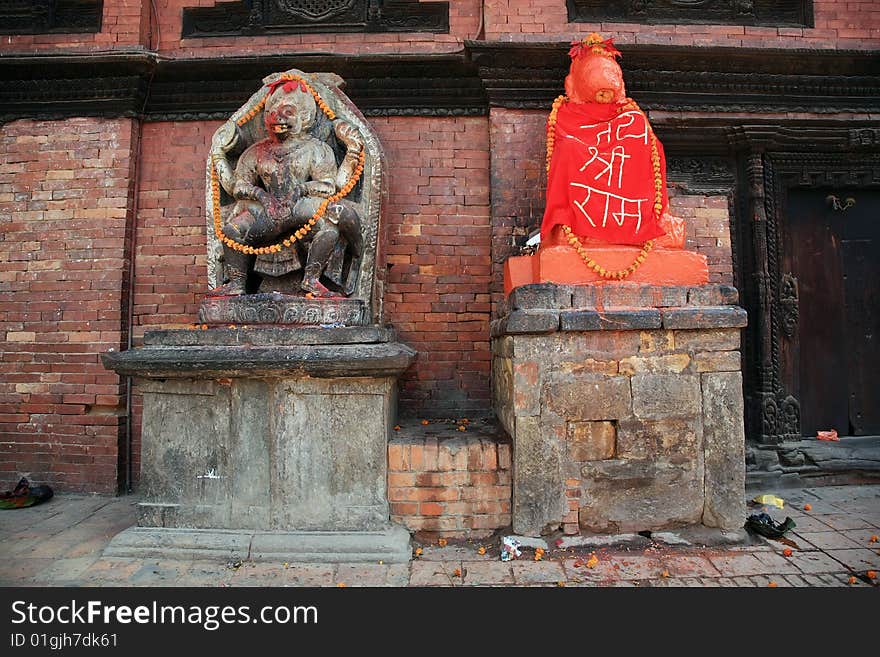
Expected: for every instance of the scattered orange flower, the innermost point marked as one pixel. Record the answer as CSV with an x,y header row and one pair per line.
x,y
310,295
592,561
482,550
461,427
872,574
808,507
397,427
341,585
787,552
425,422
464,420
418,552
456,572
231,326
665,573
772,585
852,579
874,538
441,542
204,327
560,583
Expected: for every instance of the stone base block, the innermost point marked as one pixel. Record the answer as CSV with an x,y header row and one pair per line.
x,y
391,545
561,264
625,407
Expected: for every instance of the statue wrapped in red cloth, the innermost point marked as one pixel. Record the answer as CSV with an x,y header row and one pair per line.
x,y
607,202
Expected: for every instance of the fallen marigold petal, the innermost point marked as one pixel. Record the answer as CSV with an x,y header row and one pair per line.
x,y
482,550
874,538
852,579
871,574
425,422
787,552
771,585
456,572
441,542
808,507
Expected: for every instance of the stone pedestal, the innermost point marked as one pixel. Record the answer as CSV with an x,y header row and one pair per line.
x,y
625,407
266,443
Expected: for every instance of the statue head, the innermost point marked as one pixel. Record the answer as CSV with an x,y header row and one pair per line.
x,y
594,75
290,109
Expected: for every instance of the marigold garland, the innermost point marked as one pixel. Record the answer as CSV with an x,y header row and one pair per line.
x,y
573,240
302,231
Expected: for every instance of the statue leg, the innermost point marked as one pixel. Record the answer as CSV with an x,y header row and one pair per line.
x,y
236,268
319,251
350,228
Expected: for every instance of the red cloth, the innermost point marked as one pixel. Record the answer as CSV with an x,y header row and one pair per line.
x,y
601,179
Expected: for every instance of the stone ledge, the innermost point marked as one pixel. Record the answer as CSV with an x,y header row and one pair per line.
x,y
391,545
267,336
322,361
598,296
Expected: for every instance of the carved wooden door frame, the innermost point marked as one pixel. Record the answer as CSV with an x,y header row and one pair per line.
x,y
772,161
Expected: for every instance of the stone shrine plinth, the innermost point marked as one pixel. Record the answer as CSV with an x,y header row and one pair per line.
x,y
266,443
624,402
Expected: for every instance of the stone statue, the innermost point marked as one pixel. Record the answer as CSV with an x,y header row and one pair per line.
x,y
291,208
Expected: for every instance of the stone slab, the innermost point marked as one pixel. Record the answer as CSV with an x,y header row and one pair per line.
x,y
541,296
724,445
321,360
262,336
391,545
531,321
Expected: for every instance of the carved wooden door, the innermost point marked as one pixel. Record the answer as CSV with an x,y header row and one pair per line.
x,y
830,309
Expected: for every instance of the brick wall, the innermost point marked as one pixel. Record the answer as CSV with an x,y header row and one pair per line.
x,y
851,24
125,25
438,256
65,199
443,482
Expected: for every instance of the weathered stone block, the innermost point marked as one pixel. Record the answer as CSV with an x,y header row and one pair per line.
x,y
539,296
631,496
717,361
550,350
502,391
723,436
579,320
628,320
628,295
670,296
704,317
503,347
658,396
588,366
713,295
672,363
591,441
674,440
584,296
532,321
651,342
590,397
526,388
711,340
539,500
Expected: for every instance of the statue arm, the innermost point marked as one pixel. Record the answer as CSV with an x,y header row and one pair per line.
x,y
323,173
246,177
225,139
354,144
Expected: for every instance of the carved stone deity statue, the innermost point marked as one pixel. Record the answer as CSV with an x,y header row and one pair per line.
x,y
293,197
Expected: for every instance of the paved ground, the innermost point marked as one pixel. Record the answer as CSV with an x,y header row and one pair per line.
x,y
60,544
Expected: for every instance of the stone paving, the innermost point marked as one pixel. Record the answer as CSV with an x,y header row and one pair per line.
x,y
60,543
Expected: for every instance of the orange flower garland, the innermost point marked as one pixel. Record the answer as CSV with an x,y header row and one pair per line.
x,y
573,240
300,232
